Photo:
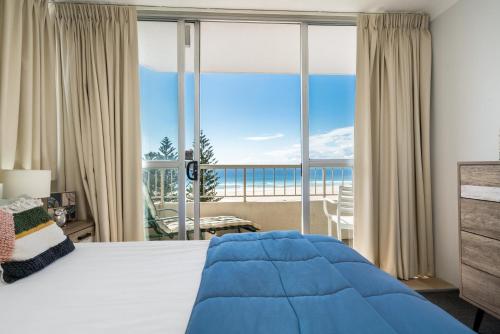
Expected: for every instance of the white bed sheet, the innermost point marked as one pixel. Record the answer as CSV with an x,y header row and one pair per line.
x,y
112,288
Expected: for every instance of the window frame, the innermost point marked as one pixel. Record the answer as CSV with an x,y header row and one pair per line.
x,y
183,16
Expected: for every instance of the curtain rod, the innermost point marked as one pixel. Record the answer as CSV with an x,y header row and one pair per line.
x,y
166,13
149,12
216,14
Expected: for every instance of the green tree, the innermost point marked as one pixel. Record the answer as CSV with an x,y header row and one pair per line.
x,y
167,150
152,177
152,156
209,179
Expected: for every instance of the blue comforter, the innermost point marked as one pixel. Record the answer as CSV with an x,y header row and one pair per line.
x,y
285,282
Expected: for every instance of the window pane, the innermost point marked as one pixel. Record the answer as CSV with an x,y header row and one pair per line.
x,y
158,87
159,122
161,203
250,118
328,187
250,91
332,79
250,47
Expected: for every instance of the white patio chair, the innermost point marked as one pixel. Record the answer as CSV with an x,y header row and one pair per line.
x,y
343,217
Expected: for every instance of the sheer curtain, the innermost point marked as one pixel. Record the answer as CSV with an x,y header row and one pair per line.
x,y
98,63
28,118
392,169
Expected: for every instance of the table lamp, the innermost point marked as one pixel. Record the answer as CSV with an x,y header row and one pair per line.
x,y
33,183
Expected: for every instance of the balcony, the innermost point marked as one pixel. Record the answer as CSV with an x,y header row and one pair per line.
x,y
268,195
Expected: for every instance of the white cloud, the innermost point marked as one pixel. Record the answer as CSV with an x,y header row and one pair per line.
x,y
263,138
335,144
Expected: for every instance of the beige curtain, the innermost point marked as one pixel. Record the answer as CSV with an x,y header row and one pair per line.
x,y
28,119
392,168
97,50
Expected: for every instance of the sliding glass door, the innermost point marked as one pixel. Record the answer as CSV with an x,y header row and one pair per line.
x,y
250,119
331,88
246,126
161,129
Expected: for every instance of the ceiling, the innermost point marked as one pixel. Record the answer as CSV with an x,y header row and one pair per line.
x,y
433,7
265,48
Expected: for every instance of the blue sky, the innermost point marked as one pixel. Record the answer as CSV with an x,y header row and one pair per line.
x,y
252,117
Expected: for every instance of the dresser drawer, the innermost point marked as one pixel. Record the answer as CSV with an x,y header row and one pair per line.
x,y
480,217
85,235
482,289
481,252
480,175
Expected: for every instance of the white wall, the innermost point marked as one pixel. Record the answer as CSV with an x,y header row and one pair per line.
x,y
465,111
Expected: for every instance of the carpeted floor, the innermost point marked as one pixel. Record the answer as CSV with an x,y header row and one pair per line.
x,y
463,311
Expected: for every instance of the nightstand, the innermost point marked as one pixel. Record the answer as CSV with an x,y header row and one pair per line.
x,y
80,230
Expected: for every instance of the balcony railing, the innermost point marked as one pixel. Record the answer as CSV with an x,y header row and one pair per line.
x,y
254,180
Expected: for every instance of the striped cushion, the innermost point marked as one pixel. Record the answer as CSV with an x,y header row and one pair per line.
x,y
30,240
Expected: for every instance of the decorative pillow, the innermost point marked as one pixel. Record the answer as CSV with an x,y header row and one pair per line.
x,y
29,239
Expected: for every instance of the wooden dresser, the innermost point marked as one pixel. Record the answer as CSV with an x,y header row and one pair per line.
x,y
479,214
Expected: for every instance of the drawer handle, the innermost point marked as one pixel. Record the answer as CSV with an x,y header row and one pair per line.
x,y
85,236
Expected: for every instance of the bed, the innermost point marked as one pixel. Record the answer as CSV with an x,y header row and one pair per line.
x,y
112,288
158,287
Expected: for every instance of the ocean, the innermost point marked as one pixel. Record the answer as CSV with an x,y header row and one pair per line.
x,y
268,182
258,179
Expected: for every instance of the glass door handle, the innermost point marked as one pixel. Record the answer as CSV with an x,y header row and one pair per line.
x,y
192,173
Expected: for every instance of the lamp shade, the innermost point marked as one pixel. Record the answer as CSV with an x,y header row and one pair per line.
x,y
33,183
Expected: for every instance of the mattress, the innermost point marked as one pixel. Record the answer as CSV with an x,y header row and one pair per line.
x,y
139,287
